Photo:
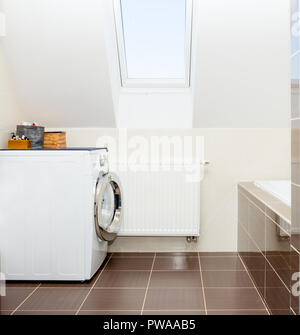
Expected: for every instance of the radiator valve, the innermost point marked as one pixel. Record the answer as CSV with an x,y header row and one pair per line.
x,y
190,239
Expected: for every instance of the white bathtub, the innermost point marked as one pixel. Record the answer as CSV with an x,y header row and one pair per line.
x,y
281,189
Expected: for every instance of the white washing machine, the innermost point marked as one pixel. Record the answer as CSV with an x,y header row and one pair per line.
x,y
58,211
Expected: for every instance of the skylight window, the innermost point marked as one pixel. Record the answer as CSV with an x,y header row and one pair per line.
x,y
154,38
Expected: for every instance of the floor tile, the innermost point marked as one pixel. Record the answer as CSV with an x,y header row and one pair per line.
x,y
55,299
137,279
238,312
133,254
175,279
5,312
218,254
14,297
67,284
58,312
221,263
278,298
22,284
166,312
127,263
258,277
115,299
138,312
176,263
226,279
176,253
272,279
179,299
233,298
255,262
294,261
278,262
281,312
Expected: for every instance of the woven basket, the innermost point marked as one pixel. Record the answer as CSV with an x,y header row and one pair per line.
x,y
55,140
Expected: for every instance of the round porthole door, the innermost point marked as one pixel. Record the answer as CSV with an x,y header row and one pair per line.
x,y
108,207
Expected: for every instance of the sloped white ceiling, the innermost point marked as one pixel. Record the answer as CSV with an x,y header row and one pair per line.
x,y
63,58
57,53
242,74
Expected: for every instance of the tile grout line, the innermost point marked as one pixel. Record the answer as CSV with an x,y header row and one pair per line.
x,y
148,284
297,251
209,311
161,255
154,287
25,300
137,310
90,290
171,287
263,301
265,258
276,272
202,283
226,287
170,270
217,256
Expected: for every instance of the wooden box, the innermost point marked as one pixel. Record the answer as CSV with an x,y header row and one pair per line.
x,y
55,140
18,144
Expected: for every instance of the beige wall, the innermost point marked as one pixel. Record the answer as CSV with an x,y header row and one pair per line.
x,y
235,155
10,113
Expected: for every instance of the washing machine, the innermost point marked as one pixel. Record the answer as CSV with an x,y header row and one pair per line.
x,y
59,209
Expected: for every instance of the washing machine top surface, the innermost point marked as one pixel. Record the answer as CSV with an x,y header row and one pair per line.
x,y
65,149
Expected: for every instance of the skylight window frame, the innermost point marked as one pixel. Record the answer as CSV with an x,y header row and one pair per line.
x,y
147,82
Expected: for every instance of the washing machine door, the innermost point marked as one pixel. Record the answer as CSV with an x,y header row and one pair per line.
x,y
108,206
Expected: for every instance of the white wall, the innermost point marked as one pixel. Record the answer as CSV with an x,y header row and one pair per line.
x,y
152,110
57,52
10,111
110,39
242,66
235,155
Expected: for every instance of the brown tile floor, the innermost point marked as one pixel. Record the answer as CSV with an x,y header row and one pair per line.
x,y
145,283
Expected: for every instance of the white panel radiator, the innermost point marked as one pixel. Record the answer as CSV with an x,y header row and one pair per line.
x,y
160,203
